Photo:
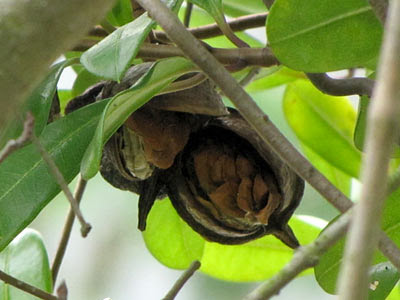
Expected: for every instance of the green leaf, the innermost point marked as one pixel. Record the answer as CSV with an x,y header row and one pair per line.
x,y
25,259
326,272
172,242
121,13
111,57
38,103
323,123
273,77
384,277
256,260
169,239
122,105
394,294
338,178
26,185
236,8
323,35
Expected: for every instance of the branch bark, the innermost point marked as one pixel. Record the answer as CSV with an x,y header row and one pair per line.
x,y
250,111
382,130
33,34
304,258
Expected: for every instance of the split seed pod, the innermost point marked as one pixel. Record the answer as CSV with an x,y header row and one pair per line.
x,y
222,179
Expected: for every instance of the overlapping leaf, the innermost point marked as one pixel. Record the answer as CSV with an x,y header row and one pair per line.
x,y
323,123
323,35
122,105
26,185
176,245
111,57
25,259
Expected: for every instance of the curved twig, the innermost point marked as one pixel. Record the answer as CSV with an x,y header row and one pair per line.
x,y
341,87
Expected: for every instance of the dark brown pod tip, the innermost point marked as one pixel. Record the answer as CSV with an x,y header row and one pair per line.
x,y
231,188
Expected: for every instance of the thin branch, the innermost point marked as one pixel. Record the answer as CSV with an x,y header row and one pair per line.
x,y
249,110
85,227
250,76
188,13
305,257
182,280
13,145
382,130
69,222
380,7
26,287
213,30
341,87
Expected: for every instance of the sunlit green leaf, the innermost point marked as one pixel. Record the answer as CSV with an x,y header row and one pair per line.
x,y
38,103
26,185
122,105
273,77
323,35
111,57
176,245
338,178
25,259
394,294
255,260
213,7
169,239
323,123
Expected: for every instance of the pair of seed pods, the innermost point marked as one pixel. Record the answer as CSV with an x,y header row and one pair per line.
x,y
222,179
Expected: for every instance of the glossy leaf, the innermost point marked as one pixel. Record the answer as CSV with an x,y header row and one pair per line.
x,y
38,103
111,57
176,245
323,35
338,178
384,277
169,239
26,185
25,259
327,270
122,105
121,13
323,123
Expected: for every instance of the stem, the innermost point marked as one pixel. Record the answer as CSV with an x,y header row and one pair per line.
x,y
85,227
382,131
69,222
341,87
182,280
305,257
249,110
249,76
26,287
188,14
13,145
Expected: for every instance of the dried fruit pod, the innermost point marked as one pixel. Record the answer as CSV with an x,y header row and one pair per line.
x,y
231,188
